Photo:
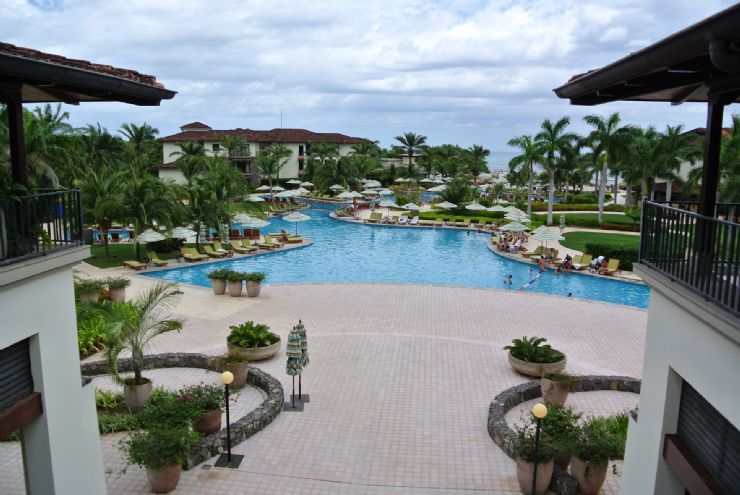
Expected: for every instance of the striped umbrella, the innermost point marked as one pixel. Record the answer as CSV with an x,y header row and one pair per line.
x,y
514,227
295,218
446,205
149,236
254,222
182,233
475,206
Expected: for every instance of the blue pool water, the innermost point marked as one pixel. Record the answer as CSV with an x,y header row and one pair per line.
x,y
344,252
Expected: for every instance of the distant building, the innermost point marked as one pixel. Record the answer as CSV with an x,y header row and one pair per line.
x,y
299,141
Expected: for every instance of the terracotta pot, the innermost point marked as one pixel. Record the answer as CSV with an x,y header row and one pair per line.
x,y
117,294
257,354
240,372
219,286
164,479
89,298
137,396
253,289
589,483
554,392
524,471
235,289
208,422
536,369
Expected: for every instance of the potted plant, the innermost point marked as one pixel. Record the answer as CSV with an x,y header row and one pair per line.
x,y
88,290
238,365
206,402
559,425
235,284
593,445
161,452
218,280
555,387
526,458
254,341
254,283
117,288
530,357
131,325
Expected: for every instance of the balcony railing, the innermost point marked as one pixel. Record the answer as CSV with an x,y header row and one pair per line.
x,y
698,252
39,224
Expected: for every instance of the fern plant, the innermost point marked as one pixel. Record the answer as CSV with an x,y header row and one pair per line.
x,y
532,350
251,335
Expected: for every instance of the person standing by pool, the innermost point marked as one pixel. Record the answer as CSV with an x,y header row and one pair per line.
x,y
542,264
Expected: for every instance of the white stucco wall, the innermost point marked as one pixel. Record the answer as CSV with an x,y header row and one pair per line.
x,y
173,174
62,452
679,346
345,149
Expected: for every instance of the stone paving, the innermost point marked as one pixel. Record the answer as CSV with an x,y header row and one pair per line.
x,y
400,380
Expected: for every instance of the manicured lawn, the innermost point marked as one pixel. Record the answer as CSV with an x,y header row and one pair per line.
x,y
575,217
578,240
119,253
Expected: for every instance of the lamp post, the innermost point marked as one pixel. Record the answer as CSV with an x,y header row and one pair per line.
x,y
539,411
227,460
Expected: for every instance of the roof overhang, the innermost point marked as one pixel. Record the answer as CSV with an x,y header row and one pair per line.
x,y
700,61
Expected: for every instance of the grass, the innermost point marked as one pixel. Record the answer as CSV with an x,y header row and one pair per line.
x,y
118,254
587,217
578,240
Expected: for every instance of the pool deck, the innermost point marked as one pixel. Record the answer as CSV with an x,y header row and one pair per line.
x,y
400,378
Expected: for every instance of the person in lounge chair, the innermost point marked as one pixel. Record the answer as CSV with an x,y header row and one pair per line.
x,y
567,262
596,264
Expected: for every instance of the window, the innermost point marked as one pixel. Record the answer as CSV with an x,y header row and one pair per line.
x,y
216,147
300,150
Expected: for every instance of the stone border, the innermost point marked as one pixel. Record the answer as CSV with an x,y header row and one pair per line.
x,y
241,429
503,436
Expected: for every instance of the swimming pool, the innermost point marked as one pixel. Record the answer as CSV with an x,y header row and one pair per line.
x,y
345,252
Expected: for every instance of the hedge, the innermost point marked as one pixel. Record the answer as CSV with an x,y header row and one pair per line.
x,y
626,256
542,206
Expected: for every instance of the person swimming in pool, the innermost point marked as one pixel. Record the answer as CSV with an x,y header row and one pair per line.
x,y
509,279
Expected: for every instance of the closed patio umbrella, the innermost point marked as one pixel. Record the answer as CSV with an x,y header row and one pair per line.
x,y
301,191
293,366
295,218
304,359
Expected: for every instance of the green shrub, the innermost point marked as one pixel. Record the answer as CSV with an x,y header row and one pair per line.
x,y
158,447
542,206
117,283
107,400
87,286
233,276
559,425
596,442
166,410
531,350
91,329
584,198
257,277
252,335
626,256
524,445
219,274
115,422
202,398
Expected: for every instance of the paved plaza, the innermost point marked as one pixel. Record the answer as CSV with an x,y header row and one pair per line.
x,y
400,380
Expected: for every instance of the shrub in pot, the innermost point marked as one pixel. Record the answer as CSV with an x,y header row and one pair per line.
x,y
532,357
218,280
238,365
117,288
235,284
555,387
559,425
254,283
206,402
88,290
526,458
594,444
253,340
131,325
161,452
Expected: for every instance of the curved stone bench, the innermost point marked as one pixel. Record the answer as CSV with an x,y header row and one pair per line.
x,y
241,429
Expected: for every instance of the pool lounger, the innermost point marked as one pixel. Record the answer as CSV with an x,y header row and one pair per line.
x,y
134,265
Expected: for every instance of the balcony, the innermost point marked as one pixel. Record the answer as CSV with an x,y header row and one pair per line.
x,y
240,152
39,224
700,253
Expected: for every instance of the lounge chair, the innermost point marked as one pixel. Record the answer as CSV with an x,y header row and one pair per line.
x,y
481,224
134,265
393,220
155,259
237,247
462,222
515,247
247,246
414,221
269,245
375,217
426,223
612,267
403,220
586,260
211,253
439,222
294,239
219,248
191,254
573,261
538,251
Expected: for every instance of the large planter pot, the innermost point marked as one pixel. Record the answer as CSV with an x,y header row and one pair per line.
x,y
563,460
164,479
590,477
235,289
89,298
554,392
137,396
118,294
240,372
257,354
253,289
536,369
219,286
524,471
208,422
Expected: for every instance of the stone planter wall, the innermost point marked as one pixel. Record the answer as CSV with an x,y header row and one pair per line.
x,y
500,432
241,429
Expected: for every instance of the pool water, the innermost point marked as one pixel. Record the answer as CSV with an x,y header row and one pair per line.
x,y
346,252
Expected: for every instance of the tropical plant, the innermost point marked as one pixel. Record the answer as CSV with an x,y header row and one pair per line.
x,y
532,350
525,162
559,425
117,282
101,199
154,448
234,276
282,154
219,274
138,135
251,335
202,398
458,190
234,144
597,441
551,141
525,443
478,156
413,143
132,325
257,277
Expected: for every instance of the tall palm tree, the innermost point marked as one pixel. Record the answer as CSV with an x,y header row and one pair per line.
x,y
412,142
478,155
677,147
101,196
551,140
323,151
190,158
531,155
610,137
282,154
233,144
138,135
366,148
268,166
98,145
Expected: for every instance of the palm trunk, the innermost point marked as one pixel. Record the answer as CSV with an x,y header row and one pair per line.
x,y
529,192
104,237
616,187
643,188
602,192
550,195
136,234
565,194
596,180
668,190
628,199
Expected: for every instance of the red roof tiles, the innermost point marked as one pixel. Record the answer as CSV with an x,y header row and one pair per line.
x,y
272,136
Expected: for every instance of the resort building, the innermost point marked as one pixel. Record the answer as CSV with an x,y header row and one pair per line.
x,y
41,390
684,436
298,141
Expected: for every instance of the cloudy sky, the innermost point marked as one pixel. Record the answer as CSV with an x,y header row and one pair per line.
x,y
460,71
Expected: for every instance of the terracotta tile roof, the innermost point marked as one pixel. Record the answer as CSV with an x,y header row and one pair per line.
x,y
32,54
272,136
195,125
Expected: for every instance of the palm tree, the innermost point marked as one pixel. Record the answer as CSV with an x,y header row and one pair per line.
x,y
531,155
478,154
98,145
677,147
282,154
458,190
268,166
101,196
233,144
610,138
368,149
412,142
138,135
567,167
551,140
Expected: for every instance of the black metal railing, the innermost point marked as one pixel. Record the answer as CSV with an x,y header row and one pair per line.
x,y
699,252
723,211
38,224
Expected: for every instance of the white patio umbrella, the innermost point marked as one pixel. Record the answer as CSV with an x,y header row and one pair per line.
x,y
254,222
372,183
255,199
285,194
514,227
385,192
388,204
182,233
263,188
517,217
336,187
293,181
369,192
427,180
346,195
513,209
446,205
439,180
240,217
475,206
277,189
301,191
437,189
295,218
149,235
306,184
497,208
541,228
400,179
547,235
411,206
355,194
